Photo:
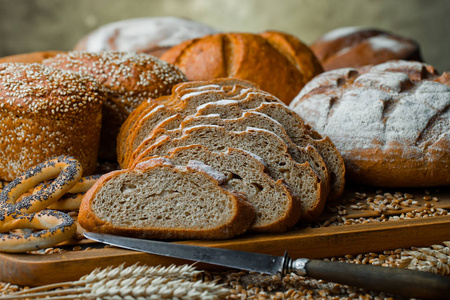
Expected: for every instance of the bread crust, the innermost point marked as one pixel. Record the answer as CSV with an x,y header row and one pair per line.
x,y
352,47
242,215
45,113
29,58
151,35
252,57
397,128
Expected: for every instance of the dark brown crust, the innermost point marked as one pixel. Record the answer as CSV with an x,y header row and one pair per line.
x,y
333,55
244,214
252,57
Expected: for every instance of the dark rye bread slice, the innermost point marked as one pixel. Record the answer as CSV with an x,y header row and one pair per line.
x,y
159,200
299,132
187,105
248,119
301,178
276,208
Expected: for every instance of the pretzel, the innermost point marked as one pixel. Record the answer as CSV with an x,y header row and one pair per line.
x,y
29,212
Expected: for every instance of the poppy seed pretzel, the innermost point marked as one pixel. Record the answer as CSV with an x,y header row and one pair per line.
x,y
29,212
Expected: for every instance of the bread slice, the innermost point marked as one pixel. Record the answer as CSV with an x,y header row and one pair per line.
x,y
298,131
301,178
276,208
248,119
159,200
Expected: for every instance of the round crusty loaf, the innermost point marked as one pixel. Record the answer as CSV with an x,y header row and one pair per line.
x,y
29,58
160,200
277,62
129,79
352,47
149,35
44,113
391,122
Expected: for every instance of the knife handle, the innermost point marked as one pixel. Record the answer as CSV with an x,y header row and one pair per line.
x,y
402,282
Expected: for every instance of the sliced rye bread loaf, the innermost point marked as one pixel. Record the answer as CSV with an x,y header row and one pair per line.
x,y
150,114
276,208
187,105
159,200
301,178
248,119
299,132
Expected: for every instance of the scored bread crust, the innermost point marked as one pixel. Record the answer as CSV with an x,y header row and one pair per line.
x,y
352,47
391,122
253,57
241,214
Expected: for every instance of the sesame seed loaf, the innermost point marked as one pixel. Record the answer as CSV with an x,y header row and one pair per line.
x,y
129,79
390,122
151,35
301,178
276,208
352,47
46,112
248,119
159,200
277,62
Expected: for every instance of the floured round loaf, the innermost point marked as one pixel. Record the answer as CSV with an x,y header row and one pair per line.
x,y
352,47
149,35
391,122
160,200
45,113
129,79
279,63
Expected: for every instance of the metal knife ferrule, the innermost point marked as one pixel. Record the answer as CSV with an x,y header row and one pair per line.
x,y
297,266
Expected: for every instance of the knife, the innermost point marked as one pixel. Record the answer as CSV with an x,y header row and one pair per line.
x,y
402,282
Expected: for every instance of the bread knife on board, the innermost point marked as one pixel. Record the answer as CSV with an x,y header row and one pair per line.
x,y
402,282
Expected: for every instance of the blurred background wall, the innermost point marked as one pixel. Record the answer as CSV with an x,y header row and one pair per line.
x,y
33,25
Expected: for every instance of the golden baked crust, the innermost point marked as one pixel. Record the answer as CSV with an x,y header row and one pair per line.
x,y
129,79
45,113
277,62
352,47
391,122
29,58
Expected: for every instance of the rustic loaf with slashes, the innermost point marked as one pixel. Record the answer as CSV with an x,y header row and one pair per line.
x,y
44,113
352,47
277,62
391,122
160,200
129,79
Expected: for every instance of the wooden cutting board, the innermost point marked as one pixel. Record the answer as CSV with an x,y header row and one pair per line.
x,y
302,241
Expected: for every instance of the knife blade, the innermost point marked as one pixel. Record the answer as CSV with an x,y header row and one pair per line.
x,y
402,282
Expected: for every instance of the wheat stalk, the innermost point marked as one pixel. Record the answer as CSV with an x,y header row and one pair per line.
x,y
134,282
